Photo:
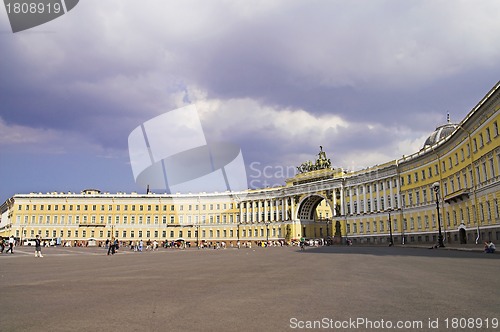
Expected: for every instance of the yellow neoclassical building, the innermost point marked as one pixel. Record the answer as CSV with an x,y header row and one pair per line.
x,y
447,192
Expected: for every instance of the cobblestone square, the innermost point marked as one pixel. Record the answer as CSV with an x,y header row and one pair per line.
x,y
267,289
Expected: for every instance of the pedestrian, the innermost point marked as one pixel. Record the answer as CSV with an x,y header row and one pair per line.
x,y
111,248
140,245
489,247
11,245
2,245
38,246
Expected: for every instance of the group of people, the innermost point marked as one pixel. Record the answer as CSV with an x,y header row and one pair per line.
x,y
112,246
139,245
10,243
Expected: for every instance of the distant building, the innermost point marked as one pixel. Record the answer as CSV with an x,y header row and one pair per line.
x,y
319,202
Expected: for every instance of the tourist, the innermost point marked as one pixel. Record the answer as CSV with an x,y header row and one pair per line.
x,y
489,247
112,247
11,245
38,246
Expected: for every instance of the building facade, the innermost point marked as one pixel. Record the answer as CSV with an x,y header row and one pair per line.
x,y
451,186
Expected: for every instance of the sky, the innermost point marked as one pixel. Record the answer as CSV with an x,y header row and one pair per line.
x,y
367,80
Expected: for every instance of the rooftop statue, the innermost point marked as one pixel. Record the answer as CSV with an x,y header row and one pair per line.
x,y
322,162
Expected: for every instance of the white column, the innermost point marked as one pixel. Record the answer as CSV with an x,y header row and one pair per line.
x,y
365,199
378,196
358,200
391,199
371,198
351,203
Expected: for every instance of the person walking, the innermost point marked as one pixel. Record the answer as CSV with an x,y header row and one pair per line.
x,y
38,247
11,245
111,248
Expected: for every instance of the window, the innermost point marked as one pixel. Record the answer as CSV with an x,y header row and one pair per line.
x,y
488,210
495,129
492,167
484,171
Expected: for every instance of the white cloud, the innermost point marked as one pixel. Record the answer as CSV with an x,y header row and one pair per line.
x,y
19,135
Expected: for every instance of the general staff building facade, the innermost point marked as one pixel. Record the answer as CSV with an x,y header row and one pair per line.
x,y
449,187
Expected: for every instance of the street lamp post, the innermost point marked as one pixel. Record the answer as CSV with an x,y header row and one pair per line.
x,y
391,241
327,232
435,187
238,234
267,232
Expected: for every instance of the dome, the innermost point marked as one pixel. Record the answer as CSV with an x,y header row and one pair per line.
x,y
440,133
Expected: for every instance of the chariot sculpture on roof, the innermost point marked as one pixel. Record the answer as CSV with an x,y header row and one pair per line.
x,y
322,162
